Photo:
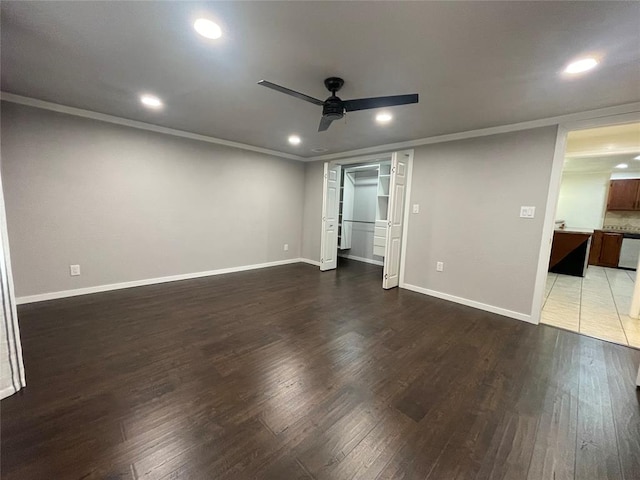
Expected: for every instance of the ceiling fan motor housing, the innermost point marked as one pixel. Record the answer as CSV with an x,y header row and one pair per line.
x,y
333,109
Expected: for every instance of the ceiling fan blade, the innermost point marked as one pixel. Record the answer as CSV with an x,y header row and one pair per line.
x,y
288,91
377,102
324,124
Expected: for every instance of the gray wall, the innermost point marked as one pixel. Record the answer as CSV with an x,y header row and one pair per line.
x,y
128,204
312,223
470,193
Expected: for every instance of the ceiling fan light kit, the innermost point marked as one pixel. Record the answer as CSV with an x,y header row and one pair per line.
x,y
334,108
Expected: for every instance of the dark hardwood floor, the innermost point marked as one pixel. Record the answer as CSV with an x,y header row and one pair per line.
x,y
289,373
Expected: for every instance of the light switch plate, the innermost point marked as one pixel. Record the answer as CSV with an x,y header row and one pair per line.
x,y
439,266
527,212
74,270
416,208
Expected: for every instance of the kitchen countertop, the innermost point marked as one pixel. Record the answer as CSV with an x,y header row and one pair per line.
x,y
583,231
625,233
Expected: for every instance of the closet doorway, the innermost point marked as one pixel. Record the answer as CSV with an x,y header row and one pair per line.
x,y
363,212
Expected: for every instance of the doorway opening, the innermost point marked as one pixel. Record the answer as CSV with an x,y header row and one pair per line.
x,y
596,240
363,212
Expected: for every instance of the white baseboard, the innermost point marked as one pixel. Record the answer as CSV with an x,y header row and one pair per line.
x,y
362,259
471,303
309,261
150,281
7,392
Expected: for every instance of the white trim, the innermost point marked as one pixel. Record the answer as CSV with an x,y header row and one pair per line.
x,y
323,230
79,112
482,132
407,196
548,225
309,261
405,220
149,281
377,158
470,303
554,193
11,325
362,259
7,392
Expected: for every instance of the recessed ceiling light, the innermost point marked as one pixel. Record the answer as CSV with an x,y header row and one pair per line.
x,y
207,28
622,165
319,149
151,101
294,140
582,65
383,117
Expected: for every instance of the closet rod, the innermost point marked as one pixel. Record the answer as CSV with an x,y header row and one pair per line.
x,y
362,167
359,221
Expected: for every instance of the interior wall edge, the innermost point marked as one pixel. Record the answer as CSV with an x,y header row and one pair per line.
x,y
471,303
153,281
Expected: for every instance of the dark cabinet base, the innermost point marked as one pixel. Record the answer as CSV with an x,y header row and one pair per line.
x,y
569,252
574,263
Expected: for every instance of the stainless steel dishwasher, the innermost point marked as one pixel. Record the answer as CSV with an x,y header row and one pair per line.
x,y
629,252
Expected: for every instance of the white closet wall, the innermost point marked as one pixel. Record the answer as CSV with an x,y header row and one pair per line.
x,y
364,210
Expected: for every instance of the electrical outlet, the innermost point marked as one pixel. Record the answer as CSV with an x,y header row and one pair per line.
x,y
416,208
74,270
439,266
286,247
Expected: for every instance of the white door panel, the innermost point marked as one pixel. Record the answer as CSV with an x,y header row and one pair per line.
x,y
330,204
397,188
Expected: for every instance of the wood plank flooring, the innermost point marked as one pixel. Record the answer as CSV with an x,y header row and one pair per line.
x,y
289,373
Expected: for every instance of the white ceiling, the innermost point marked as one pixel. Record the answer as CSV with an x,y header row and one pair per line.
x,y
601,149
474,64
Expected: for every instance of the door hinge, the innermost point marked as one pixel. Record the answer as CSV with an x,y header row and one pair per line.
x,y
389,223
393,169
386,276
325,176
322,260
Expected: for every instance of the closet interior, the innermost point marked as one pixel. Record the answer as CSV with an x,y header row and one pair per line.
x,y
363,211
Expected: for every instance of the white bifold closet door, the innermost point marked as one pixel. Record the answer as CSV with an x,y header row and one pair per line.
x,y
12,376
330,210
397,189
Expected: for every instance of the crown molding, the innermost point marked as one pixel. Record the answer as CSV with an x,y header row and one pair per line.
x,y
79,112
482,132
389,147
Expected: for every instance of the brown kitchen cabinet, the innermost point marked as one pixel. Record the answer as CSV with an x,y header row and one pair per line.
x,y
624,195
596,247
605,248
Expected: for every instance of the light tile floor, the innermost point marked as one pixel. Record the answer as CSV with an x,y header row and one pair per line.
x,y
596,305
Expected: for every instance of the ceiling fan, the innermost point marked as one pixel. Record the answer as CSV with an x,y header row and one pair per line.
x,y
333,108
